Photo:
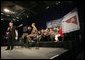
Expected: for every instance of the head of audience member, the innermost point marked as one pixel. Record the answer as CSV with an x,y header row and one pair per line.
x,y
51,29
42,30
11,23
33,25
47,30
39,32
59,27
29,28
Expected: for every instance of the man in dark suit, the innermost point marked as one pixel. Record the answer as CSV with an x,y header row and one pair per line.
x,y
11,36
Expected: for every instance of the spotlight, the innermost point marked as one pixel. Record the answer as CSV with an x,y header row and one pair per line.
x,y
56,3
17,17
6,10
2,13
12,12
17,20
59,2
2,19
27,16
47,7
14,19
8,15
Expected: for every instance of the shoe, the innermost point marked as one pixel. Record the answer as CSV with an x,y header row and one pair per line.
x,y
7,49
11,48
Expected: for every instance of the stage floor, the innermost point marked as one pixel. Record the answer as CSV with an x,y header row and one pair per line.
x,y
32,53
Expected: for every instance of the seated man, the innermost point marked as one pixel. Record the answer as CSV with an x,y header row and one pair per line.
x,y
42,34
33,33
25,33
47,35
52,34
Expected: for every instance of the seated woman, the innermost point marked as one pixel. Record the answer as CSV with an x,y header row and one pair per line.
x,y
60,32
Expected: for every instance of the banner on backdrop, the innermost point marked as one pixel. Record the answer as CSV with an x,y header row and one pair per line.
x,y
70,22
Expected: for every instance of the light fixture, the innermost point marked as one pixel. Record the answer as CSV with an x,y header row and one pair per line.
x,y
56,3
17,20
6,10
17,17
47,7
14,19
2,19
2,13
8,15
59,2
27,16
12,12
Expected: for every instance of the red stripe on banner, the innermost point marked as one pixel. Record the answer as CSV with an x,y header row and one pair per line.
x,y
72,20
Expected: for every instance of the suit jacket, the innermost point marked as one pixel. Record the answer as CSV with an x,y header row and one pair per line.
x,y
11,32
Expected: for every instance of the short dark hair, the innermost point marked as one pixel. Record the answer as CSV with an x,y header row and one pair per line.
x,y
11,21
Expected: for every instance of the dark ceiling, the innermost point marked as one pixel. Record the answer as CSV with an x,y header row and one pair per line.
x,y
26,9
40,12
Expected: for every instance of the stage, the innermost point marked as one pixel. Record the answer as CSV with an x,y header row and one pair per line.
x,y
31,53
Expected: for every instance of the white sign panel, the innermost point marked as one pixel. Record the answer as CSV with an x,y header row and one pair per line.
x,y
70,22
54,23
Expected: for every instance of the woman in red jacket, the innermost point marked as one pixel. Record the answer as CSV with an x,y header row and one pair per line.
x,y
60,32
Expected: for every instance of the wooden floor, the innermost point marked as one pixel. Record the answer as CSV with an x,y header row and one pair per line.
x,y
31,53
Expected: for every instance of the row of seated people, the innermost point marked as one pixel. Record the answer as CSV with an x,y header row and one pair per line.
x,y
33,35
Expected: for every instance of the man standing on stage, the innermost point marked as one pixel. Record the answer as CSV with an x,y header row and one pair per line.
x,y
11,36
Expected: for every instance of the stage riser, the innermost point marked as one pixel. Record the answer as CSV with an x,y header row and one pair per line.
x,y
43,44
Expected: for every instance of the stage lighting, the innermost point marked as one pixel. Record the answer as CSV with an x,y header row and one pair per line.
x,y
2,19
17,20
2,13
47,7
56,3
14,19
27,16
6,10
8,15
17,17
12,12
59,2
